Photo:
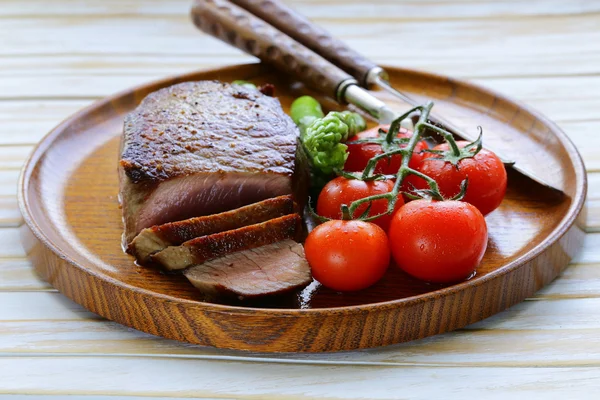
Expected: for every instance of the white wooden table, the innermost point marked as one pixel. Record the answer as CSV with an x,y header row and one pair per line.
x,y
58,56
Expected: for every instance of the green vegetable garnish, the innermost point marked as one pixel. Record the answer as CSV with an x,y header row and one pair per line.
x,y
304,111
323,143
324,137
247,84
356,123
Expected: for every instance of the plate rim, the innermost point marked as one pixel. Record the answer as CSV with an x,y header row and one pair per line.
x,y
563,226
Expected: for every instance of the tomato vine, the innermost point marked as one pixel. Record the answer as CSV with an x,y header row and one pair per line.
x,y
392,146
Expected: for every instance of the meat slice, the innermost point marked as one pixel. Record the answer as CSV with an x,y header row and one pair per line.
x,y
272,269
200,148
204,248
157,238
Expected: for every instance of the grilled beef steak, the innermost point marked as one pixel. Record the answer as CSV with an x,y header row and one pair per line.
x,y
157,238
200,148
204,248
272,269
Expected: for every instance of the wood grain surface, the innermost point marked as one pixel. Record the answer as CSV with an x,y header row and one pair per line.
x,y
56,60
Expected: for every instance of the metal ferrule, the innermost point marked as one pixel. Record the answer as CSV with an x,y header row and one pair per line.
x,y
375,75
341,89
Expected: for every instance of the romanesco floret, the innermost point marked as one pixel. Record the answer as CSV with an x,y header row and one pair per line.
x,y
323,139
355,122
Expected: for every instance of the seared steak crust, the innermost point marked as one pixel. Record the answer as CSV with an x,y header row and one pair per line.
x,y
207,126
157,238
200,148
204,248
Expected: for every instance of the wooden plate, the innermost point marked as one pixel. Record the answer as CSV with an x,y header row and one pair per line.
x,y
68,197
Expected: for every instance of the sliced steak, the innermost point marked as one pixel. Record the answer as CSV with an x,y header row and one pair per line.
x,y
157,238
200,148
204,248
272,269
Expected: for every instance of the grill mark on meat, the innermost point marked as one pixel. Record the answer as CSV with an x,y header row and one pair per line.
x,y
204,248
159,237
194,149
268,270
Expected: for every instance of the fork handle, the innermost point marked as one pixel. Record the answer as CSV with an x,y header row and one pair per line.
x,y
310,35
240,28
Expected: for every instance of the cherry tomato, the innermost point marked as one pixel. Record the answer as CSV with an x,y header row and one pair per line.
x,y
485,172
438,241
347,255
360,154
344,191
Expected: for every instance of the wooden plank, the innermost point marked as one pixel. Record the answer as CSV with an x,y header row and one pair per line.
x,y
33,306
73,86
535,63
577,281
590,252
12,157
594,186
191,378
523,50
91,397
561,98
593,202
544,314
10,216
593,215
25,122
10,243
8,182
18,274
113,64
330,9
584,136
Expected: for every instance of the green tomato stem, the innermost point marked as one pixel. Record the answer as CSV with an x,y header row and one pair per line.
x,y
396,124
404,170
448,136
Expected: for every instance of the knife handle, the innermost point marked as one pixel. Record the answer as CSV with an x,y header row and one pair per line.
x,y
310,35
238,27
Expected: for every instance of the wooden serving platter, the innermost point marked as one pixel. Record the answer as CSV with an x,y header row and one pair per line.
x,y
68,197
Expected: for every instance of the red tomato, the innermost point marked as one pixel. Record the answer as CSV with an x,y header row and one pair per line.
x,y
360,154
438,241
347,255
344,191
485,172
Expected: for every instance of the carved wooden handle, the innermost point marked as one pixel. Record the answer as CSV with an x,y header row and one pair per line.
x,y
251,34
310,35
